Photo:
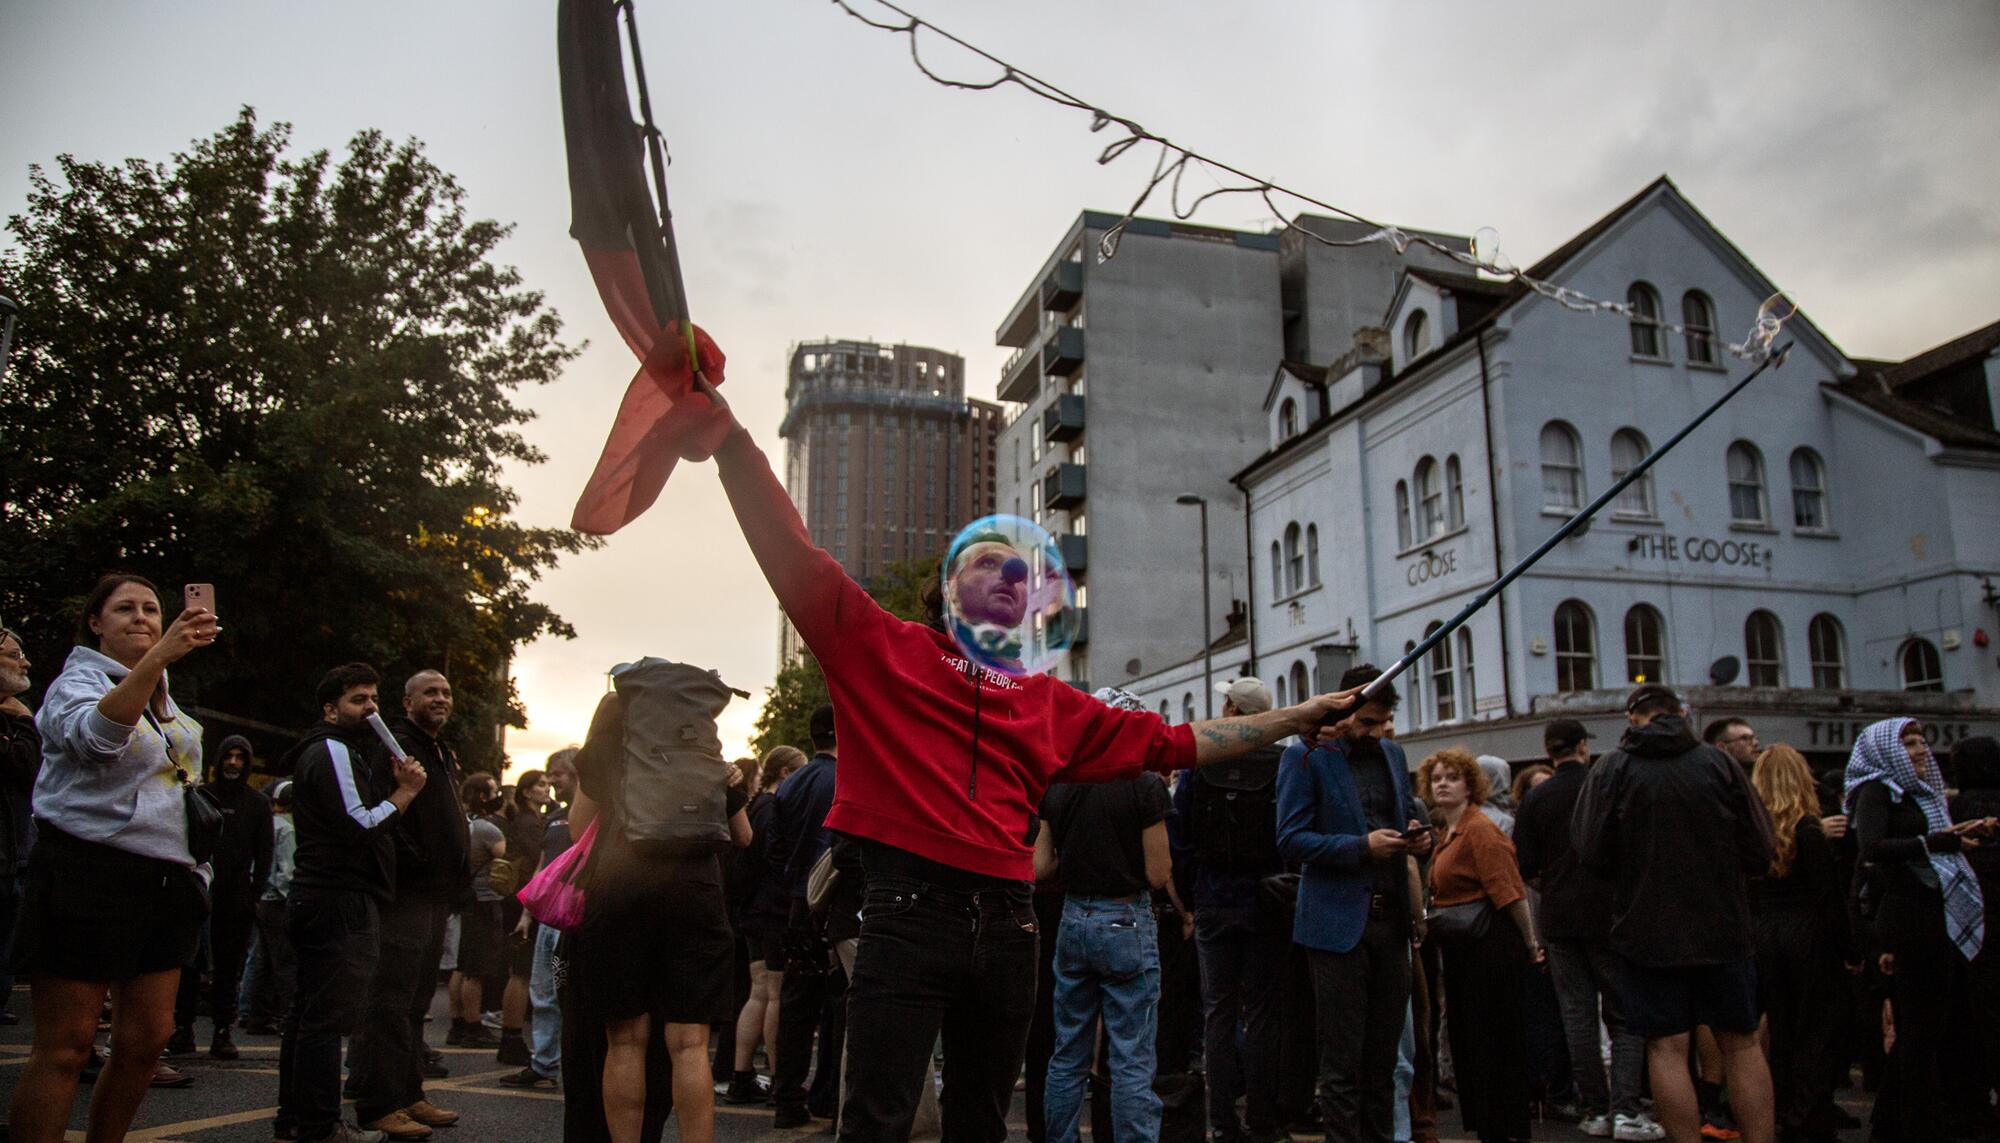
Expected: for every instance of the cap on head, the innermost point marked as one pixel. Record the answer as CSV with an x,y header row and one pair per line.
x,y
1653,698
820,727
1248,695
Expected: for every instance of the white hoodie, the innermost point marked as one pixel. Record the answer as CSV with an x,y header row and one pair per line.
x,y
106,782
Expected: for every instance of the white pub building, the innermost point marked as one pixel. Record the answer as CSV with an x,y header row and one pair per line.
x,y
1823,552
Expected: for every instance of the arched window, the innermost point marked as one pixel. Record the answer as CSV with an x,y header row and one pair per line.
x,y
1645,303
1187,707
1312,554
1288,419
1808,491
1454,494
1576,648
1471,688
1416,335
1698,322
1628,448
1444,696
1763,650
1295,561
1430,500
1415,709
1746,484
1826,645
1562,468
1277,572
1279,697
1298,679
1645,646
1166,711
1922,669
1403,537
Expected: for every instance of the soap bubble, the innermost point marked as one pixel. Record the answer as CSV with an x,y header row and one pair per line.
x,y
1009,602
1486,250
1771,318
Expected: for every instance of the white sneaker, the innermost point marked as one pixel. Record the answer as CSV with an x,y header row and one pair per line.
x,y
1637,1127
1595,1126
490,1019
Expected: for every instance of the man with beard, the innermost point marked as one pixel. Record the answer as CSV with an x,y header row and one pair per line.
x,y
242,865
390,1059
19,764
347,800
1346,813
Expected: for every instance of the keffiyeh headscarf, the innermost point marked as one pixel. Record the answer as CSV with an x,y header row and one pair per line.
x,y
1118,698
1879,757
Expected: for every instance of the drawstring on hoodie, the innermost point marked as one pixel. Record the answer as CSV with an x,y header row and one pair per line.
x,y
976,675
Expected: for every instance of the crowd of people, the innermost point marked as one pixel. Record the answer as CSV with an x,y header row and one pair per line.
x,y
977,882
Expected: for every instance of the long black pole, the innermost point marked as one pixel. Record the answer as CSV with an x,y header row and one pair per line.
x,y
678,304
1569,526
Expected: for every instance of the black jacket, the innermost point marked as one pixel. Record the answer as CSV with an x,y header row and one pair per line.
x,y
433,839
19,765
242,860
1678,829
798,828
1576,899
341,810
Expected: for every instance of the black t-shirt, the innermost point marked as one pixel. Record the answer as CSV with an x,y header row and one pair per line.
x,y
1098,827
1378,802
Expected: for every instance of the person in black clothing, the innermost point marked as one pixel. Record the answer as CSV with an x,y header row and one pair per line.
x,y
761,912
347,799
390,1059
1929,915
1975,1066
1574,920
525,821
19,764
798,837
1225,838
1678,829
242,867
1802,945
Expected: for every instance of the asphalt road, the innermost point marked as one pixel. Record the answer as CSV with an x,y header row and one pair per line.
x,y
233,1102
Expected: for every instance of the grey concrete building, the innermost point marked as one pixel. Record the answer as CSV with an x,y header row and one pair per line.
x,y
885,457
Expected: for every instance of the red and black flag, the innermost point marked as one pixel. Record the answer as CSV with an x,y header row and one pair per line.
x,y
628,241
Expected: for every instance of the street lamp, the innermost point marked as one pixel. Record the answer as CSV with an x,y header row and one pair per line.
x,y
1207,638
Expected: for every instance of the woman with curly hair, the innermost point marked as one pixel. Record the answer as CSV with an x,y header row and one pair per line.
x,y
1474,877
1802,945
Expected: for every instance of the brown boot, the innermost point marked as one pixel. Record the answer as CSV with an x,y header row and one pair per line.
x,y
430,1114
398,1125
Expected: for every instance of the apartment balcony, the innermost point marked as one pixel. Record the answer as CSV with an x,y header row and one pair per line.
x,y
1075,552
1081,635
1063,487
1022,375
1062,353
1063,286
1063,419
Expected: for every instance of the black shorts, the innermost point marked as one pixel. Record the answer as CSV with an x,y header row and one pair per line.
x,y
481,954
93,912
655,941
1670,1001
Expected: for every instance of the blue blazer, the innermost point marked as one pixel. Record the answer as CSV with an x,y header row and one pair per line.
x,y
1323,829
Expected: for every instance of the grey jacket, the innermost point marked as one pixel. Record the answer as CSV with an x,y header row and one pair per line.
x,y
105,782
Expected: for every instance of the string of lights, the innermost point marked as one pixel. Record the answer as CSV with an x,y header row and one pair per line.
x,y
1173,161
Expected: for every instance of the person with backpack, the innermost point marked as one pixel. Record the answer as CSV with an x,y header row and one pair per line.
x,y
943,762
1225,832
650,964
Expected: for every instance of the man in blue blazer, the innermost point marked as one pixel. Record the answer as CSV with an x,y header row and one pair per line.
x,y
1347,817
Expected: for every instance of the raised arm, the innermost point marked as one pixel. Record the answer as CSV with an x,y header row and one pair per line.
x,y
1219,739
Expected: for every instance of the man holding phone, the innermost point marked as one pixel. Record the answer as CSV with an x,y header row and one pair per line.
x,y
1346,813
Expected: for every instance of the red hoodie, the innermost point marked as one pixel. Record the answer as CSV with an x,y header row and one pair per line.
x,y
936,758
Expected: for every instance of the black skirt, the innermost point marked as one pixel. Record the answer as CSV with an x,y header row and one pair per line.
x,y
95,912
655,940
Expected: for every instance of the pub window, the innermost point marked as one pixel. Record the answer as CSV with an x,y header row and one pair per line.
x,y
1187,707
1430,500
1298,680
1698,322
1295,560
1471,689
1312,554
1576,648
1277,572
1280,696
1746,484
1645,646
1827,646
1808,491
1288,420
1403,537
1562,468
1922,669
1416,336
1454,492
1628,448
1763,650
1444,697
1645,303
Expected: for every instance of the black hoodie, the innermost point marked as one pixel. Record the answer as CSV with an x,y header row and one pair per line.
x,y
242,860
340,789
433,839
1678,829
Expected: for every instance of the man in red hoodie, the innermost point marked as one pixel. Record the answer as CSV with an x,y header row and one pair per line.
x,y
942,763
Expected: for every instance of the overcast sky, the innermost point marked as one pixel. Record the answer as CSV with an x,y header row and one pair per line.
x,y
823,188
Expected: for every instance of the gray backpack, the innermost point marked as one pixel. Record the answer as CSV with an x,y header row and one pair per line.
x,y
676,785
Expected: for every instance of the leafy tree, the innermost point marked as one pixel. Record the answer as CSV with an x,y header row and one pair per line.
x,y
800,687
292,378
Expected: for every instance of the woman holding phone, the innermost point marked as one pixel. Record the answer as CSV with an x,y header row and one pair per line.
x,y
114,899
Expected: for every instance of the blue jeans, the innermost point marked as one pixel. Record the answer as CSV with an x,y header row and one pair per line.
x,y
1107,964
545,1017
1406,1074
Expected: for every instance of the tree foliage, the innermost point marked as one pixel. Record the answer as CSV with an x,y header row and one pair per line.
x,y
295,379
800,687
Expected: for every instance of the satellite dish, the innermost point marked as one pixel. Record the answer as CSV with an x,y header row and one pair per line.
x,y
1723,671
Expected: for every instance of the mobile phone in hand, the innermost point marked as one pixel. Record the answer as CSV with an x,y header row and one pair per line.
x,y
1417,833
200,595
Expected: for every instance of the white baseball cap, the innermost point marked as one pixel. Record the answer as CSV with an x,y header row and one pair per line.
x,y
1248,695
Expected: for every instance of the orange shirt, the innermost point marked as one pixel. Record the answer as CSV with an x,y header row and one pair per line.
x,y
1476,861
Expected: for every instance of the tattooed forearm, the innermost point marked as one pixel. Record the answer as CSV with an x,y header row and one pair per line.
x,y
1228,737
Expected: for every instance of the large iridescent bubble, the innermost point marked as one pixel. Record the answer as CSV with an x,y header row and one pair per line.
x,y
1009,603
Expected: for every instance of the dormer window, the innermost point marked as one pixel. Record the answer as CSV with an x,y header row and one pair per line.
x,y
1288,420
1416,336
